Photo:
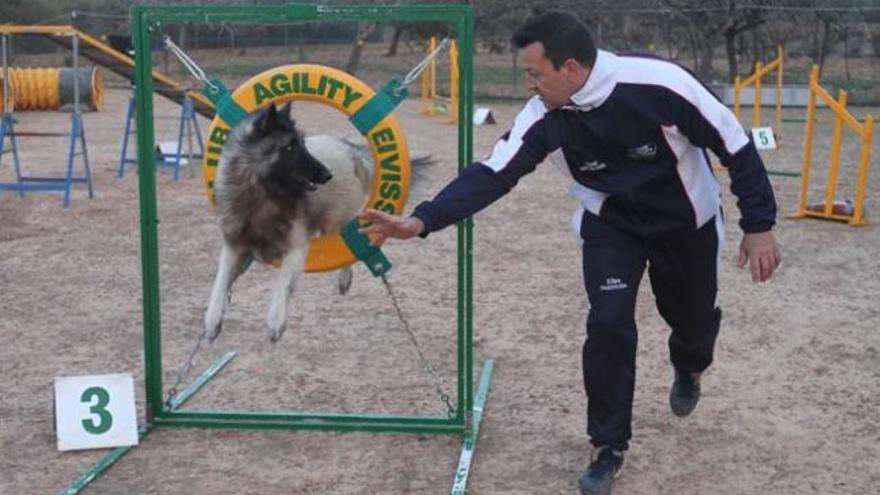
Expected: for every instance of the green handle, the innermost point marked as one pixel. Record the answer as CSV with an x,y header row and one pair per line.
x,y
228,109
360,245
379,106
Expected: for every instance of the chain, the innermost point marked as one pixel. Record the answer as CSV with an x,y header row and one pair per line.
x,y
190,65
435,378
184,370
418,69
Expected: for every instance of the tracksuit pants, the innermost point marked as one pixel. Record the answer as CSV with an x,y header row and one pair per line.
x,y
684,277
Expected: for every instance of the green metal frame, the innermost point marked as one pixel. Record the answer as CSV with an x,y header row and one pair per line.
x,y
147,20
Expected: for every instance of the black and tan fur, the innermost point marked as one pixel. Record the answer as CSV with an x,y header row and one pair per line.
x,y
276,189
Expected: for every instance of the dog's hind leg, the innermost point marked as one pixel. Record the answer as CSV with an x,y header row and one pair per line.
x,y
345,277
292,267
230,266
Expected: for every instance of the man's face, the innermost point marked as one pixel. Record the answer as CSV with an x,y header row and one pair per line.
x,y
554,86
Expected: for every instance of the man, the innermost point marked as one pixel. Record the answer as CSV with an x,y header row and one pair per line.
x,y
631,133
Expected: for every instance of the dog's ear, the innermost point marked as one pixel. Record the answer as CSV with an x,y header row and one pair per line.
x,y
284,112
283,118
271,115
264,120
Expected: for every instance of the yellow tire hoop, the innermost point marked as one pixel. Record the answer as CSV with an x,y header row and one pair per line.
x,y
328,86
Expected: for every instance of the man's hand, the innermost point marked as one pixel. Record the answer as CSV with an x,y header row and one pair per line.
x,y
760,251
385,226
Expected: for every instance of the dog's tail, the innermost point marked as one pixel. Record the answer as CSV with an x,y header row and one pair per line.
x,y
419,166
363,161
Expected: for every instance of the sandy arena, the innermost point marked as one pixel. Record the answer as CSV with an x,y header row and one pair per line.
x,y
790,406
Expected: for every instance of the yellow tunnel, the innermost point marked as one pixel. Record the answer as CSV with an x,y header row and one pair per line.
x,y
48,88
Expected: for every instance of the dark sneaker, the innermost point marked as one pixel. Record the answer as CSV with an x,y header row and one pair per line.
x,y
603,469
685,393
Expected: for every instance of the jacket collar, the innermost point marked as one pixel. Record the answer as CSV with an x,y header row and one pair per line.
x,y
599,85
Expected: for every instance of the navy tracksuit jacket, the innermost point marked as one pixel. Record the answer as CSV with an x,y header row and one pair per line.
x,y
633,141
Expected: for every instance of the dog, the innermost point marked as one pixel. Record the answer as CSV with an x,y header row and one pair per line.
x,y
275,190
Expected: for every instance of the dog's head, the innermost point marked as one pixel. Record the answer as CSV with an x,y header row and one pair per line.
x,y
286,168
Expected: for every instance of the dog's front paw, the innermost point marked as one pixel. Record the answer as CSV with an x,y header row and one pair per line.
x,y
345,277
275,331
276,320
213,325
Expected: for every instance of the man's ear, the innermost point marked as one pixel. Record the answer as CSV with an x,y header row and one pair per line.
x,y
575,70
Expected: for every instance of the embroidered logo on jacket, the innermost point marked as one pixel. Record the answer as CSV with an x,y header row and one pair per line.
x,y
643,152
592,166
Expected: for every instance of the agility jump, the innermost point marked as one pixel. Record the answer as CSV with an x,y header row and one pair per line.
x,y
755,80
830,209
372,119
430,101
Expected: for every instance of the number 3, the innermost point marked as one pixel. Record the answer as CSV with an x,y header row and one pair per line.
x,y
99,409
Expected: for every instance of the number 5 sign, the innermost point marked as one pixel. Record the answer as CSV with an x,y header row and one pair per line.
x,y
95,411
763,137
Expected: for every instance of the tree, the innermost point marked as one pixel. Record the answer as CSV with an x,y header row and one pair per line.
x,y
713,19
364,30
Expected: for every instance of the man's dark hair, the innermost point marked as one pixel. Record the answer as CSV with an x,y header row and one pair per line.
x,y
563,35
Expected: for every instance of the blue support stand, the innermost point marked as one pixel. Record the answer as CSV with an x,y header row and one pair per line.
x,y
36,184
189,126
6,129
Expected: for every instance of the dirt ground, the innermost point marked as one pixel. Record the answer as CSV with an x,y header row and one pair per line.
x,y
790,406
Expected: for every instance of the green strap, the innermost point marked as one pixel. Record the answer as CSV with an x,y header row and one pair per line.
x,y
360,245
228,109
379,106
373,111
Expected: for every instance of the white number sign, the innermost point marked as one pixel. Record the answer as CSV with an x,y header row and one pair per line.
x,y
764,139
95,411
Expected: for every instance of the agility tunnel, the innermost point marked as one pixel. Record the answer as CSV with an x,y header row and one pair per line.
x,y
48,88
